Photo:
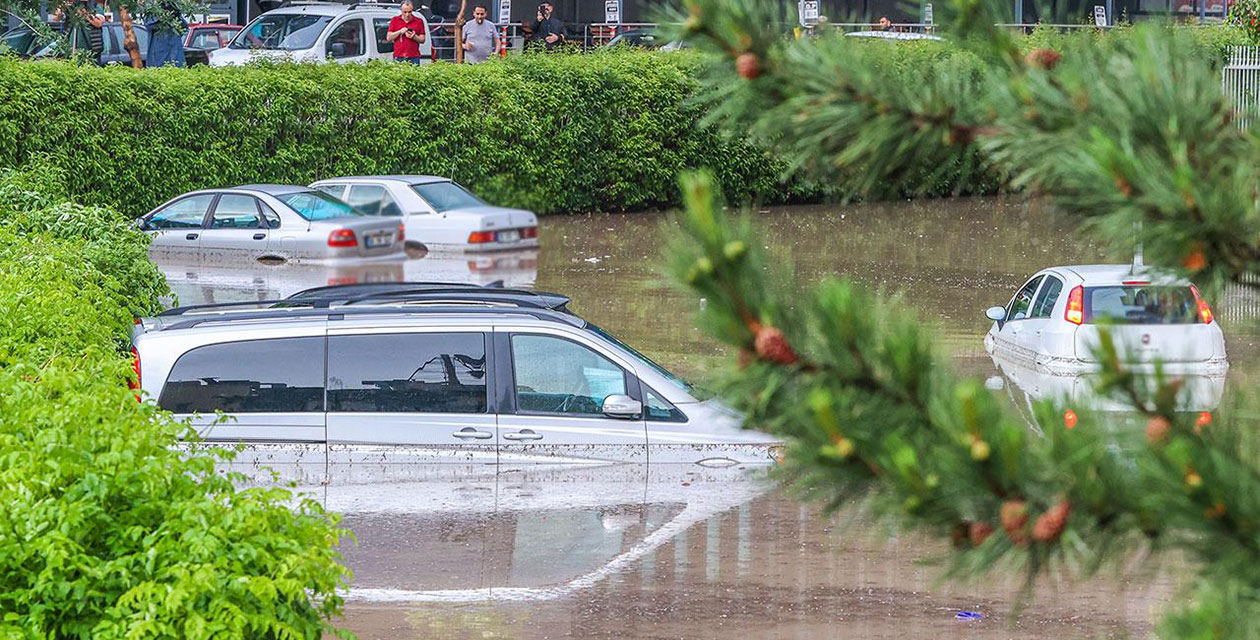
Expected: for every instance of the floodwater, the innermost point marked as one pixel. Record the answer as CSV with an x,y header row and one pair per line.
x,y
679,551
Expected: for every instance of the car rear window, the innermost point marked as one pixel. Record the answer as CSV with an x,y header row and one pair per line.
x,y
1140,304
317,205
446,196
283,375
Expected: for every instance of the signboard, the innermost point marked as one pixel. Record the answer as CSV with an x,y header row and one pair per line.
x,y
612,11
808,10
1100,15
505,12
927,14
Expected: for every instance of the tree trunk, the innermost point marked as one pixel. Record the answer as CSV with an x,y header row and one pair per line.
x,y
459,32
129,38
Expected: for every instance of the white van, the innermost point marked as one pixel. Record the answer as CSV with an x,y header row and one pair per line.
x,y
317,32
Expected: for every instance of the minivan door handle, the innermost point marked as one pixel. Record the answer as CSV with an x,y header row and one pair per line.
x,y
260,236
191,236
523,434
469,433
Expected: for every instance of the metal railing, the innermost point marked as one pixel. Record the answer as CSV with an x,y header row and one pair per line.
x,y
1240,81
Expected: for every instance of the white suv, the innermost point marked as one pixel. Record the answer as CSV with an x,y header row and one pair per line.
x,y
316,32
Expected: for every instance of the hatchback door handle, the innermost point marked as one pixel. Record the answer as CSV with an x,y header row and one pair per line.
x,y
260,236
191,236
523,434
471,433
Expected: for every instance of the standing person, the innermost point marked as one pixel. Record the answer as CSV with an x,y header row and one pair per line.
x,y
481,37
406,31
549,30
166,35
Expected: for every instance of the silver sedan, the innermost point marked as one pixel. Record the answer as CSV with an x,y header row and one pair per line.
x,y
271,222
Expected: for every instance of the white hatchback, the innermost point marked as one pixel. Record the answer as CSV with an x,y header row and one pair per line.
x,y
1052,322
438,213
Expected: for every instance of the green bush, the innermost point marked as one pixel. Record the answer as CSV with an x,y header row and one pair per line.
x,y
106,531
557,133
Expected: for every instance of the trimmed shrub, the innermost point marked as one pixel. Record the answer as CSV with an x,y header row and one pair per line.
x,y
106,531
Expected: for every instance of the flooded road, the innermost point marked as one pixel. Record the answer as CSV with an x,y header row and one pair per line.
x,y
683,552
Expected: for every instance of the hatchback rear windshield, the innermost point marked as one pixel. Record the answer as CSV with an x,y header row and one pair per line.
x,y
317,205
1140,304
446,196
281,32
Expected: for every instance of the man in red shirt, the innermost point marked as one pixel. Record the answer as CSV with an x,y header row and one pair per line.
x,y
406,31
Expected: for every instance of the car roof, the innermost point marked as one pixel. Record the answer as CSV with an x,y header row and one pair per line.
x,y
892,35
333,8
1100,274
409,179
271,189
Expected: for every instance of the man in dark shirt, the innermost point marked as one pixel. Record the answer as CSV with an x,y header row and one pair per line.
x,y
549,31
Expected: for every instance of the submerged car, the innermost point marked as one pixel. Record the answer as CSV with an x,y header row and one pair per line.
x,y
270,222
1053,321
439,214
429,373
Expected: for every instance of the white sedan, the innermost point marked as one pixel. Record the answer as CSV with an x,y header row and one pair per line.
x,y
439,214
1052,322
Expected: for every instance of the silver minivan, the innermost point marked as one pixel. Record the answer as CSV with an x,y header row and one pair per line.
x,y
429,373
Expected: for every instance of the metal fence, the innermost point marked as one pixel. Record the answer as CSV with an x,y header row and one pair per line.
x,y
1240,80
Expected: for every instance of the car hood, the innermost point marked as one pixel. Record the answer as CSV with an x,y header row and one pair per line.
x,y
714,421
227,57
489,217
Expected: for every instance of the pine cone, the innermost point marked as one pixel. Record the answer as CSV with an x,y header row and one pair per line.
x,y
1195,261
1043,58
1014,517
1051,523
748,65
773,347
980,531
1157,429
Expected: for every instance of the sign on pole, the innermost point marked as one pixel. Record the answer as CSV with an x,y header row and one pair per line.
x,y
1100,15
505,12
808,10
927,14
612,11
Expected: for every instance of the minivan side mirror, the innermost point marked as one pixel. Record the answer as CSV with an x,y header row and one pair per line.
x,y
996,314
619,406
337,49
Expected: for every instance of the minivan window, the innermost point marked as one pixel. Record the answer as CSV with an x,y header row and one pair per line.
x,y
554,375
408,373
283,375
446,196
644,360
658,409
281,32
317,205
349,35
1140,304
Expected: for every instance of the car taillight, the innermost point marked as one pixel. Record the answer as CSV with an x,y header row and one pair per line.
x,y
1075,306
402,233
1201,305
529,232
479,237
342,238
135,366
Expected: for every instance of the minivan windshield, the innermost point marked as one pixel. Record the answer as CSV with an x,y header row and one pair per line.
x,y
281,32
446,196
673,379
1140,304
317,205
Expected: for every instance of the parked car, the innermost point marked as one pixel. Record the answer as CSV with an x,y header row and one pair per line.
x,y
894,36
22,42
269,221
201,39
1052,322
316,32
643,38
430,373
439,214
112,49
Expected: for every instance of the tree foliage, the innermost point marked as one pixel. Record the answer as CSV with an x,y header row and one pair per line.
x,y
1130,133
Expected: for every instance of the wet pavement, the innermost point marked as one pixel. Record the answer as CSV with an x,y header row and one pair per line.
x,y
679,551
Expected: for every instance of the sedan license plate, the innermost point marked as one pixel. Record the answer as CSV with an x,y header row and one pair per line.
x,y
508,236
379,240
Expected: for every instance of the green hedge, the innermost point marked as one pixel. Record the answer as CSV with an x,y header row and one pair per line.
x,y
559,133
106,531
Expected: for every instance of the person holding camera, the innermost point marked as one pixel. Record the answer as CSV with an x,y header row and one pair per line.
x,y
548,31
406,31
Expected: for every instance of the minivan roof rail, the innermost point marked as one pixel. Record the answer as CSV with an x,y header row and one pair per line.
x,y
340,313
400,293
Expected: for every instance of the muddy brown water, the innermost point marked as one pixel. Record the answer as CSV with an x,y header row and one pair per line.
x,y
688,553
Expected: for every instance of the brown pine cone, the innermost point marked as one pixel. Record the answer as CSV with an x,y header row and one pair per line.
x,y
773,347
748,65
980,531
1157,429
1051,523
1043,58
1014,517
